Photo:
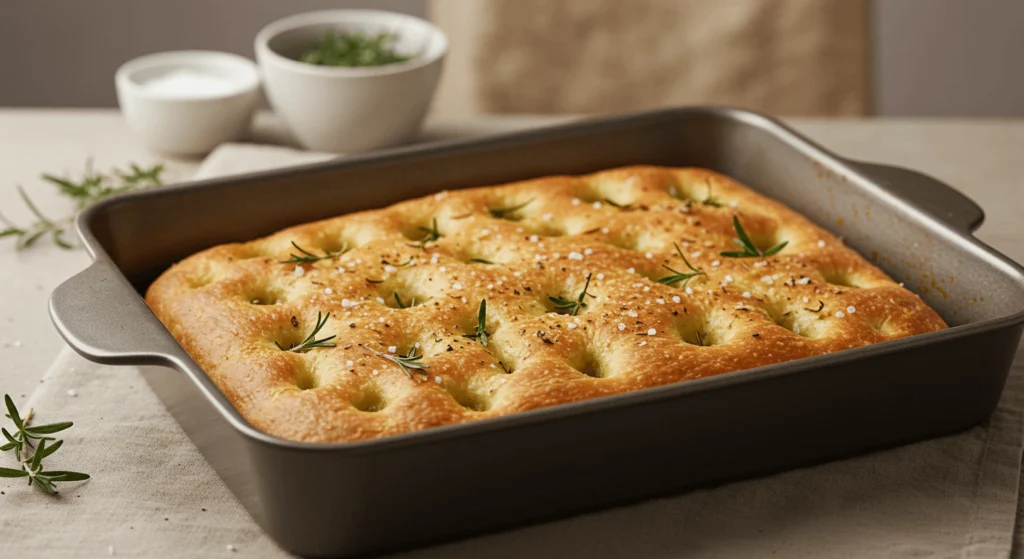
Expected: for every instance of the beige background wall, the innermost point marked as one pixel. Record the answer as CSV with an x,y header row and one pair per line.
x,y
947,57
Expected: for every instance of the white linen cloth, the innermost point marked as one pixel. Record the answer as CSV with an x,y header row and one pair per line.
x,y
153,495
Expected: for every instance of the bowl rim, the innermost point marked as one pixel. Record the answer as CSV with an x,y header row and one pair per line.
x,y
320,17
246,86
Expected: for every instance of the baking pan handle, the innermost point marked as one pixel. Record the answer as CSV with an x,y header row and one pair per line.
x,y
931,195
102,317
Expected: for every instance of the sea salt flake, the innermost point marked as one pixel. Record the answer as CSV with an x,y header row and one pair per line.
x,y
746,294
851,309
767,279
622,326
329,291
380,300
652,332
437,380
534,238
588,251
840,314
575,201
676,299
392,348
689,290
597,205
803,281
600,276
660,301
575,256
605,230
631,270
300,271
632,314
571,326
821,244
390,269
649,255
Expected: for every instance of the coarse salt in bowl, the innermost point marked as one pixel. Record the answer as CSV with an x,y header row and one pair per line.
x,y
188,102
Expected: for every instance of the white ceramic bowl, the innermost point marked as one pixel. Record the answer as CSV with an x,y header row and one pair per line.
x,y
188,120
348,110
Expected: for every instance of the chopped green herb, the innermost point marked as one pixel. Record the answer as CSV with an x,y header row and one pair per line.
x,y
481,260
354,50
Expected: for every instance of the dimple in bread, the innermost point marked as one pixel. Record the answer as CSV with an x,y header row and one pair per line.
x,y
408,280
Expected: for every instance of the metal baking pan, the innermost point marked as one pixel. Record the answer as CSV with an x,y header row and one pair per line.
x,y
439,484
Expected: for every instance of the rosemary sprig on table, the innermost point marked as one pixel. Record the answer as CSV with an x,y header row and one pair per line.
x,y
92,188
480,333
750,250
311,342
408,362
678,276
508,211
353,50
572,307
32,465
305,256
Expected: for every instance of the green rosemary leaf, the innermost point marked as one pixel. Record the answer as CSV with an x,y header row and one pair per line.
x,y
49,428
480,332
311,342
62,475
11,472
306,256
750,250
408,362
572,306
12,413
678,276
506,212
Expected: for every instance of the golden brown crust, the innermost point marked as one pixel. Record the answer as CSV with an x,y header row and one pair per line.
x,y
228,305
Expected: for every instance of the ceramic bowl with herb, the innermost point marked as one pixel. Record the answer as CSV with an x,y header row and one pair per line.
x,y
349,81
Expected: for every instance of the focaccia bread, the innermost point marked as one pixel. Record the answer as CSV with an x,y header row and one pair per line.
x,y
594,285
